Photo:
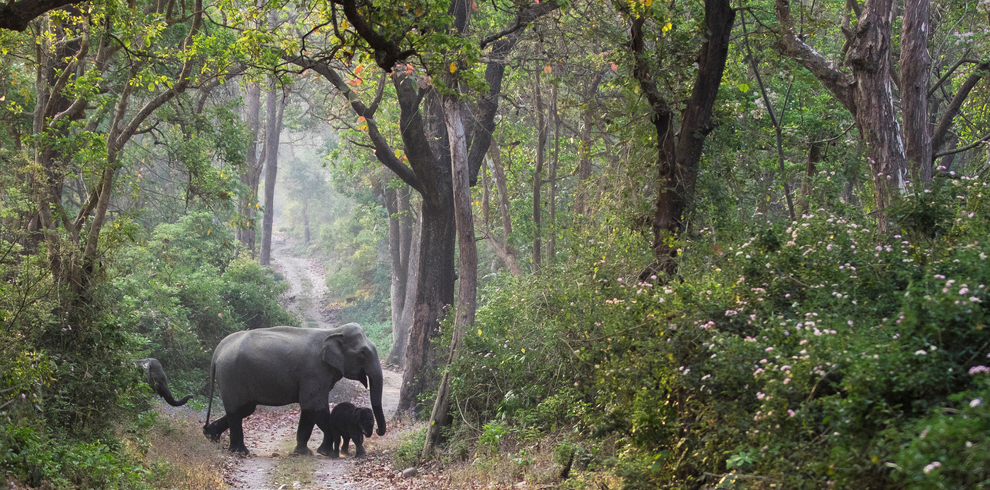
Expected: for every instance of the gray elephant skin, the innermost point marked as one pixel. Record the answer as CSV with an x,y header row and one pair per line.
x,y
158,382
281,365
348,422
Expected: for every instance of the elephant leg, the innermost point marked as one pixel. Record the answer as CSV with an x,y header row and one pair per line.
x,y
345,445
306,421
322,419
237,430
216,428
359,444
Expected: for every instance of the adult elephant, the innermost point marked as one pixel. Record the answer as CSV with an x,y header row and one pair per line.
x,y
282,365
158,382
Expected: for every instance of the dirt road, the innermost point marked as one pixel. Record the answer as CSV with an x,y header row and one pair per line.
x,y
270,433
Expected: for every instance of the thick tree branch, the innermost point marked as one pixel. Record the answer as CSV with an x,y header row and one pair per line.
x,y
523,19
942,129
383,150
826,71
15,16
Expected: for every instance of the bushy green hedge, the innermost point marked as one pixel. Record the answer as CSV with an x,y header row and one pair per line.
x,y
808,354
185,289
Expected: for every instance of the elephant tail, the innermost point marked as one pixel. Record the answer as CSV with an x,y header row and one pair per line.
x,y
209,405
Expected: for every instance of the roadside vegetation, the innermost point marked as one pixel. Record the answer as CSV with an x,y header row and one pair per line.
x,y
813,354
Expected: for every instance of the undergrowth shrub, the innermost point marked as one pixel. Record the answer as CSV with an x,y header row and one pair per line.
x,y
184,290
804,355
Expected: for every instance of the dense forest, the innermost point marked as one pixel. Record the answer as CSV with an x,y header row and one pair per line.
x,y
681,245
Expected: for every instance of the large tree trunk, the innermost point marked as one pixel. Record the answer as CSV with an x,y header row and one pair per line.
x,y
869,56
467,261
867,94
275,110
428,170
678,166
434,292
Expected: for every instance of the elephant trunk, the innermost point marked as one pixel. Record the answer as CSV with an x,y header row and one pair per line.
x,y
376,382
166,394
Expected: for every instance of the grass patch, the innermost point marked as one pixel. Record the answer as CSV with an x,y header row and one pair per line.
x,y
177,453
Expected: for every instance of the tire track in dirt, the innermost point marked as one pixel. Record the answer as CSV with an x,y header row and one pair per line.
x,y
270,433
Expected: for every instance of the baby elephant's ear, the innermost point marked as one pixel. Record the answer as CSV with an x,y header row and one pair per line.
x,y
366,418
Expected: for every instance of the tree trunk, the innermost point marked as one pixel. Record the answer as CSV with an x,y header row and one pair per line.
x,y
505,251
867,95
541,143
815,155
555,117
400,331
427,171
400,274
914,65
434,292
275,110
252,173
467,262
678,170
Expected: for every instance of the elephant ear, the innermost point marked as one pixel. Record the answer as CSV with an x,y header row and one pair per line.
x,y
347,359
333,352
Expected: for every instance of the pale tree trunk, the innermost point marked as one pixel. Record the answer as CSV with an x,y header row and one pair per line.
x,y
867,94
914,65
467,262
581,205
541,144
555,117
275,110
504,249
399,239
251,176
869,56
400,332
815,155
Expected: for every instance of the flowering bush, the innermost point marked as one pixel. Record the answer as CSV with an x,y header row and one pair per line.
x,y
803,355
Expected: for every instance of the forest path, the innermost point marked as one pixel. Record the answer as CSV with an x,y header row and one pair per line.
x,y
270,434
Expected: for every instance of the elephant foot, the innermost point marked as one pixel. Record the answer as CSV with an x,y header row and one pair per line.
x,y
359,453
302,451
240,451
326,451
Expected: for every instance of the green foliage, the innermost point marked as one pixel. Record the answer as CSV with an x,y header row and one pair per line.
x,y
946,450
186,290
30,458
806,354
409,452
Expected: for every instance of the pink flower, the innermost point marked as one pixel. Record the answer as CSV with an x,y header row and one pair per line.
x,y
790,413
973,371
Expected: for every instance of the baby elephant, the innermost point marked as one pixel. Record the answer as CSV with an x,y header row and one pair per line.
x,y
350,422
